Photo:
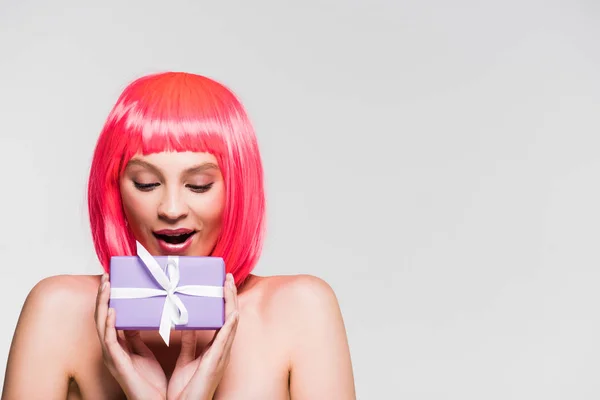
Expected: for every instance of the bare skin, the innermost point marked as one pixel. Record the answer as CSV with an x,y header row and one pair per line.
x,y
289,340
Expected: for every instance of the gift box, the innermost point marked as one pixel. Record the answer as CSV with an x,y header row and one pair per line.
x,y
149,292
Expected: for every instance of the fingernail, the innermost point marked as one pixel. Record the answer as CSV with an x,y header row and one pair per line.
x,y
104,277
103,287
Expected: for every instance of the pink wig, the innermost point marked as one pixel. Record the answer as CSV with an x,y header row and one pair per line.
x,y
176,111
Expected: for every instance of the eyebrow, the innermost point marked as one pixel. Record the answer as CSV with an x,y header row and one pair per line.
x,y
192,170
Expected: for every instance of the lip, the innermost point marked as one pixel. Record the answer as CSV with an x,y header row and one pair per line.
x,y
174,249
173,232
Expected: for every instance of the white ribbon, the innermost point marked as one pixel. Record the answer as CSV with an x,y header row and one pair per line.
x,y
174,311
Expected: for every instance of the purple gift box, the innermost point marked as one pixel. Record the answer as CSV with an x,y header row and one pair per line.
x,y
204,312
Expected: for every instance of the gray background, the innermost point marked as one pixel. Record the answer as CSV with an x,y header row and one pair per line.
x,y
436,162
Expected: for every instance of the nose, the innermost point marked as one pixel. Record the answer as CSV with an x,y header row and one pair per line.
x,y
172,206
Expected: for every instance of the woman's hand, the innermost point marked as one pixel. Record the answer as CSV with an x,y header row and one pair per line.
x,y
130,361
198,378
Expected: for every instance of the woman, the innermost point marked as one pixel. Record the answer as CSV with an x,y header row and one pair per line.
x,y
178,169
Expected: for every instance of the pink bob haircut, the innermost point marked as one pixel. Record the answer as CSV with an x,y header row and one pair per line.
x,y
177,111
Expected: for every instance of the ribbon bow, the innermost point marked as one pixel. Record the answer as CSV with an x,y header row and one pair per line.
x,y
174,311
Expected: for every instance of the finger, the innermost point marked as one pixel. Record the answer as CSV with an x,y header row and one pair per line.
x,y
212,361
234,291
102,306
124,342
216,350
98,292
235,295
188,347
117,354
230,307
134,339
211,342
230,337
230,303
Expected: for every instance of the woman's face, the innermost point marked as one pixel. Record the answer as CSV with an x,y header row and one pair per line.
x,y
173,202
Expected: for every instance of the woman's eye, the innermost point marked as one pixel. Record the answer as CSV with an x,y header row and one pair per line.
x,y
145,186
200,189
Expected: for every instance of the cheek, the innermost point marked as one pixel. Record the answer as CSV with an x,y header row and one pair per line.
x,y
137,208
209,210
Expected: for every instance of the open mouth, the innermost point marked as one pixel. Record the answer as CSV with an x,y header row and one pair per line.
x,y
174,238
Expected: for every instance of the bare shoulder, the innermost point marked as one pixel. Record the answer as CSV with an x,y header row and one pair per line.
x,y
296,298
52,336
61,293
302,312
297,290
61,302
67,285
